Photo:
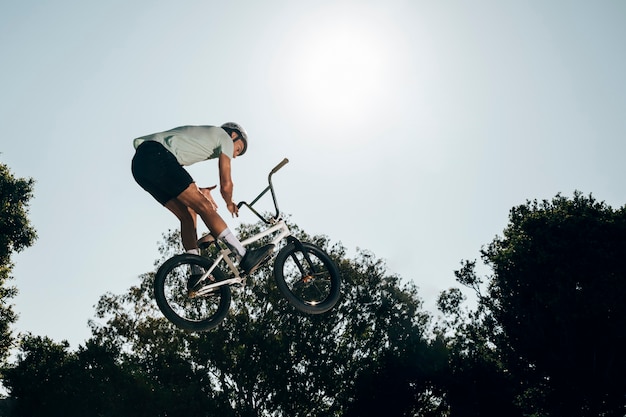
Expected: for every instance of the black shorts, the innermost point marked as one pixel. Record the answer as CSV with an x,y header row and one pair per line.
x,y
158,172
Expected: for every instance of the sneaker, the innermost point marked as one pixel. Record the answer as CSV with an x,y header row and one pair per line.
x,y
255,257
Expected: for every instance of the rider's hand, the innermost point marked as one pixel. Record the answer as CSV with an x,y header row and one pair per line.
x,y
234,210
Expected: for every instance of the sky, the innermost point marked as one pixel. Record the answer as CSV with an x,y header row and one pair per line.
x,y
412,127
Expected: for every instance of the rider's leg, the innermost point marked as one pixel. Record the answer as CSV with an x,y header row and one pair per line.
x,y
198,202
189,236
188,224
194,198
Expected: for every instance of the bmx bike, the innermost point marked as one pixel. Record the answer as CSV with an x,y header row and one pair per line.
x,y
304,273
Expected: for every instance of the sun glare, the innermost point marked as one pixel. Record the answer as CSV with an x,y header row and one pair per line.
x,y
336,69
340,71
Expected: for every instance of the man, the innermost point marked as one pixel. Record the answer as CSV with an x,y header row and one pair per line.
x,y
158,168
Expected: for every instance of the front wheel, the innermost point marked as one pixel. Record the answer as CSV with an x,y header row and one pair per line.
x,y
196,310
307,277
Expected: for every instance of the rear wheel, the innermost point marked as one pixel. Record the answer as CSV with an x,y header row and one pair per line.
x,y
196,311
307,277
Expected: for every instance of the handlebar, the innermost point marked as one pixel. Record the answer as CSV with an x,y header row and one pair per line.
x,y
279,166
270,188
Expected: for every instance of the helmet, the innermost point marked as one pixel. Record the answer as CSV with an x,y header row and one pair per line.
x,y
231,126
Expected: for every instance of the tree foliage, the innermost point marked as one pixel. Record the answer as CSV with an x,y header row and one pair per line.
x,y
545,338
16,234
371,352
96,380
552,320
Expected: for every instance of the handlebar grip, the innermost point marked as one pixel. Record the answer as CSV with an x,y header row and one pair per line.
x,y
279,166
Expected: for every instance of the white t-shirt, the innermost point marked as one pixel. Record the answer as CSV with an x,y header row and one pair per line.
x,y
191,144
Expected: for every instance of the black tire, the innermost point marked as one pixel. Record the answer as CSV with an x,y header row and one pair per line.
x,y
197,313
312,288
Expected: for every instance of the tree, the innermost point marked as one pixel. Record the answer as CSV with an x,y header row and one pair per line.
x,y
477,382
48,379
268,359
16,234
265,359
554,311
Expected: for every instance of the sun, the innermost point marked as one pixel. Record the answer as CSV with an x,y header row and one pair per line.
x,y
336,68
340,71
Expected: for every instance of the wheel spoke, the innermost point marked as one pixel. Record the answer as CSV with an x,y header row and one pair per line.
x,y
310,280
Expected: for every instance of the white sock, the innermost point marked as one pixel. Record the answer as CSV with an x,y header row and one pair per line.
x,y
195,251
232,242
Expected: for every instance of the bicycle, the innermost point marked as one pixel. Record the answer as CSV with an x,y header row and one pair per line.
x,y
304,273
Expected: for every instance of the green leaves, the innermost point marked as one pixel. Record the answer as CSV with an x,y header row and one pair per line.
x,y
268,358
554,314
546,338
16,234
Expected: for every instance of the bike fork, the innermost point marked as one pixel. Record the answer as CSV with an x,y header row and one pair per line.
x,y
305,254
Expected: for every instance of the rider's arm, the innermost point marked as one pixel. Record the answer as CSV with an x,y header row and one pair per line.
x,y
226,183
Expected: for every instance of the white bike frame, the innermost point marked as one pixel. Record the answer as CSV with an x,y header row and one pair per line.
x,y
280,229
